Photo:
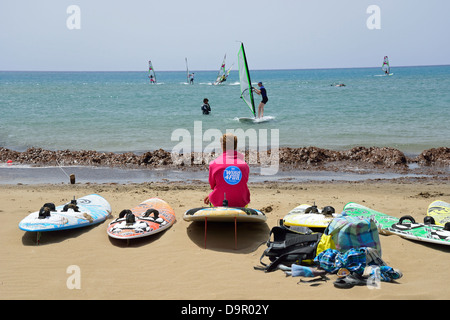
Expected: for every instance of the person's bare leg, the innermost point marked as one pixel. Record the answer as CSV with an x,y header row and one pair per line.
x,y
261,110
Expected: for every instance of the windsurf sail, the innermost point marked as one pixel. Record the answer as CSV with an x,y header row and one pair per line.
x,y
151,72
222,75
385,67
245,81
189,75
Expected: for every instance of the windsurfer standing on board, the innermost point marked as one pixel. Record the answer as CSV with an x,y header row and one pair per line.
x,y
263,93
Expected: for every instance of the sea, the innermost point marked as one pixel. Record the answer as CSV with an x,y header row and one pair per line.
x,y
119,112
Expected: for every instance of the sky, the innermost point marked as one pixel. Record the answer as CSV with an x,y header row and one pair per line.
x,y
116,35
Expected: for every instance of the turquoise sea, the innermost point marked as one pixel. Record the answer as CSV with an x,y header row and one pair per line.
x,y
122,111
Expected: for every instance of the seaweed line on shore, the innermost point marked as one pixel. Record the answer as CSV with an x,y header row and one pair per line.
x,y
304,158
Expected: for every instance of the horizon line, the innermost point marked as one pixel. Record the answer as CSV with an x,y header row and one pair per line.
x,y
200,70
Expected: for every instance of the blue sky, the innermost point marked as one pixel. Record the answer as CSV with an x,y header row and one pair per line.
x,y
283,34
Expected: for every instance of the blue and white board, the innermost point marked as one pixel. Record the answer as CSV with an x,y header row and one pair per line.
x,y
92,209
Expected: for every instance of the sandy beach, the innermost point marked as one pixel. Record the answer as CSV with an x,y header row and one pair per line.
x,y
175,264
326,106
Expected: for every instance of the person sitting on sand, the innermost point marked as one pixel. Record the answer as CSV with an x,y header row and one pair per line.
x,y
228,176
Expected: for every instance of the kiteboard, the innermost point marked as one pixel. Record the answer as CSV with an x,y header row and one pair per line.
x,y
440,211
405,227
82,212
306,215
149,217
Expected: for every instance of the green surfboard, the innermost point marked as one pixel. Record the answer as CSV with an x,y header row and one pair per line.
x,y
405,227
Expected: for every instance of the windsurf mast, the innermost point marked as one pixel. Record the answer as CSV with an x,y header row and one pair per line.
x,y
245,81
151,72
385,67
187,71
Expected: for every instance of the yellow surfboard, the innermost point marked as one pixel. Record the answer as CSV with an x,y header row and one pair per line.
x,y
299,216
224,214
440,211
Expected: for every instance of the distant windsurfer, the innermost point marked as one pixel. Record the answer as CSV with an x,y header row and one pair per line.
x,y
151,72
385,67
263,93
191,78
220,79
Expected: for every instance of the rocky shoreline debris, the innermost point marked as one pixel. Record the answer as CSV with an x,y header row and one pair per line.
x,y
288,158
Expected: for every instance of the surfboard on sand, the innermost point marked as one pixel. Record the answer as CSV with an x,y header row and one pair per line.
x,y
149,217
440,211
306,215
405,227
82,212
224,214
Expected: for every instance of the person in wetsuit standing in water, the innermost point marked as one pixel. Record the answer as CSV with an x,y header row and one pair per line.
x,y
263,93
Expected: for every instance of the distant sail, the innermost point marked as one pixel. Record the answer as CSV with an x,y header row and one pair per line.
x,y
151,72
245,81
222,75
189,75
385,67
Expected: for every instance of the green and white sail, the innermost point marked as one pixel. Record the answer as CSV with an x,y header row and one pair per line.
x,y
222,75
385,67
245,81
151,72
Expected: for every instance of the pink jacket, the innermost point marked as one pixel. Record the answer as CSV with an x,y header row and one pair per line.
x,y
228,174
